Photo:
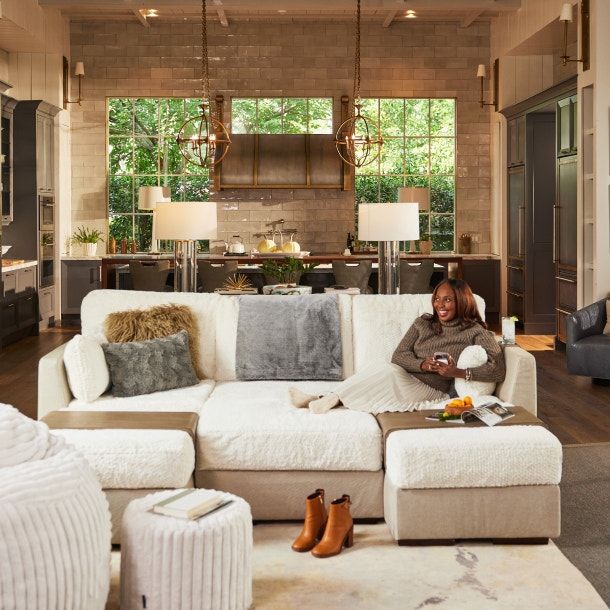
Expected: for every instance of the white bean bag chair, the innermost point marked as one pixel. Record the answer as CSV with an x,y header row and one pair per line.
x,y
54,522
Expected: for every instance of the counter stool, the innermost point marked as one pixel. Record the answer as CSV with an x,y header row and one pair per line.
x,y
415,279
353,275
149,276
214,275
183,564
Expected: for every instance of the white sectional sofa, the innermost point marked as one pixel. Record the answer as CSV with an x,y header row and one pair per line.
x,y
250,440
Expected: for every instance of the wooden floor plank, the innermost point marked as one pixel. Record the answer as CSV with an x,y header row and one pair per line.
x,y
576,410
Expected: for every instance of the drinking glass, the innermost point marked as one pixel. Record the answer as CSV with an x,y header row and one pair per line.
x,y
508,331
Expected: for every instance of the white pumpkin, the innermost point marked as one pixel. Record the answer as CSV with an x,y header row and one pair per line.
x,y
291,246
266,245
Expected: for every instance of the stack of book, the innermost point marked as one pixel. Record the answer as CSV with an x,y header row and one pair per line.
x,y
191,503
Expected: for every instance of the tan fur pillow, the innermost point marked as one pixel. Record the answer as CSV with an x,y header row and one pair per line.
x,y
155,323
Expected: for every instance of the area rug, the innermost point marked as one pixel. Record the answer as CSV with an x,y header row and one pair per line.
x,y
377,574
585,513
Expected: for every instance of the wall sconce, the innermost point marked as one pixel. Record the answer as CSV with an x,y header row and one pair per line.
x,y
79,71
566,17
482,74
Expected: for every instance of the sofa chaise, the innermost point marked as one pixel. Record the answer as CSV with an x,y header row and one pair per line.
x,y
250,440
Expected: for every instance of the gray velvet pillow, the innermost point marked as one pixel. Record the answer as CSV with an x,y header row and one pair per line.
x,y
143,367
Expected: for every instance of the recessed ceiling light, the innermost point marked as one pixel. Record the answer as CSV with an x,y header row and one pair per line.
x,y
410,14
282,11
149,12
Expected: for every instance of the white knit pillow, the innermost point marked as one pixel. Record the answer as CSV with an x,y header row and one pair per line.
x,y
470,358
86,367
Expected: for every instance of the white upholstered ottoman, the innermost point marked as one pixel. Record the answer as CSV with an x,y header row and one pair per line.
x,y
462,483
186,565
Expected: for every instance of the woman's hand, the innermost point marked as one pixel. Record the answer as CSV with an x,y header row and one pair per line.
x,y
429,365
450,370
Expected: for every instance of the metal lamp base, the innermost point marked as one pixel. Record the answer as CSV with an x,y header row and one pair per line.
x,y
389,268
185,266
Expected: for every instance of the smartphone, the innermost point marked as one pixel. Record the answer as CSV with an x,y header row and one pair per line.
x,y
442,357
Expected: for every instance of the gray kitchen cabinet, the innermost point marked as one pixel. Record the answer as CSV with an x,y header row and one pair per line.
x,y
78,279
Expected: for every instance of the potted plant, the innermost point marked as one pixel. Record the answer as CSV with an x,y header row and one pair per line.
x,y
89,238
286,272
425,243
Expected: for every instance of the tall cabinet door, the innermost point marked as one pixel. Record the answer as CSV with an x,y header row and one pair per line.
x,y
516,240
565,242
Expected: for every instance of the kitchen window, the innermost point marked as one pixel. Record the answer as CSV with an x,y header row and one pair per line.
x,y
419,150
142,151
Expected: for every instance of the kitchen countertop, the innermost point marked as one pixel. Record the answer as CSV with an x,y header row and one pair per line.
x,y
246,257
6,268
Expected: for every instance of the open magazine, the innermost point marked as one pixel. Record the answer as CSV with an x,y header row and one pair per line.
x,y
490,414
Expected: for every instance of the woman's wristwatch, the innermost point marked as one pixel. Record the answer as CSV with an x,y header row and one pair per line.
x,y
468,375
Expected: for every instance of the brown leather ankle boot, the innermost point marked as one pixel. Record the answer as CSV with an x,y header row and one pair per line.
x,y
315,522
339,530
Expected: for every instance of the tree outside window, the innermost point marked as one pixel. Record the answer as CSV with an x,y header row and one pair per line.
x,y
142,151
419,150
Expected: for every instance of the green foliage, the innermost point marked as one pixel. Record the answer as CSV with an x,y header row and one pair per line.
x,y
287,270
282,115
83,235
418,150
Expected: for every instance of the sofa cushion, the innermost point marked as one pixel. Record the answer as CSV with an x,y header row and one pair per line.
x,y
156,365
153,323
473,457
99,303
226,336
86,368
380,322
471,357
189,399
251,425
136,459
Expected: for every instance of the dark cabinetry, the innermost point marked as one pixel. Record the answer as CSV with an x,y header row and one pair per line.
x,y
564,251
18,316
78,279
516,141
567,117
483,277
530,201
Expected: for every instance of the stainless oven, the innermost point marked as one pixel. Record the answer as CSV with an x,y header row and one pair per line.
x,y
46,204
46,259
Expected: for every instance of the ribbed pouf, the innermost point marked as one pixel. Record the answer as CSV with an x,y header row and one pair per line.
x,y
179,564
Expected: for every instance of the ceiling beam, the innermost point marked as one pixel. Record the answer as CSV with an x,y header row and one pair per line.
x,y
470,17
389,18
222,17
140,17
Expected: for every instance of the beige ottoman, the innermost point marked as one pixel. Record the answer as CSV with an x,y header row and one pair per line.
x,y
181,564
462,483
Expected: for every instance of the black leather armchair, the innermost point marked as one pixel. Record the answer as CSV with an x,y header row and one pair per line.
x,y
587,348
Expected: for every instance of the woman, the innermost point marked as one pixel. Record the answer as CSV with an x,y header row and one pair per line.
x,y
414,375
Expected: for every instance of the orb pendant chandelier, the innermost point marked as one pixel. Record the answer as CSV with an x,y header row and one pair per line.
x,y
203,140
358,140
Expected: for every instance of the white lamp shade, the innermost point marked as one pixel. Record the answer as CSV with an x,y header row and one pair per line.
x,y
388,221
415,194
481,71
79,68
566,12
149,196
186,220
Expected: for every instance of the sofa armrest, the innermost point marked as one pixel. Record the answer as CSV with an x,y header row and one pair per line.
x,y
53,389
519,385
585,322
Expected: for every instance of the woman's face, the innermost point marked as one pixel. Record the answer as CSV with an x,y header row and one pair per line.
x,y
444,303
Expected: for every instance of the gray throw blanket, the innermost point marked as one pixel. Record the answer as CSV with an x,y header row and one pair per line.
x,y
289,337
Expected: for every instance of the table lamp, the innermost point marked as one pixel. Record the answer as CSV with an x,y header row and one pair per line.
x,y
388,223
186,222
415,194
148,197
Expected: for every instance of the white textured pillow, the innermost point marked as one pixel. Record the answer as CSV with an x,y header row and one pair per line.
x,y
470,358
86,367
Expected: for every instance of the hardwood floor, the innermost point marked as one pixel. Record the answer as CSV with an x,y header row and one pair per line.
x,y
576,410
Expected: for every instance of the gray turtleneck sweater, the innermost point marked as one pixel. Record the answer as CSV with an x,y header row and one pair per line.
x,y
420,342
